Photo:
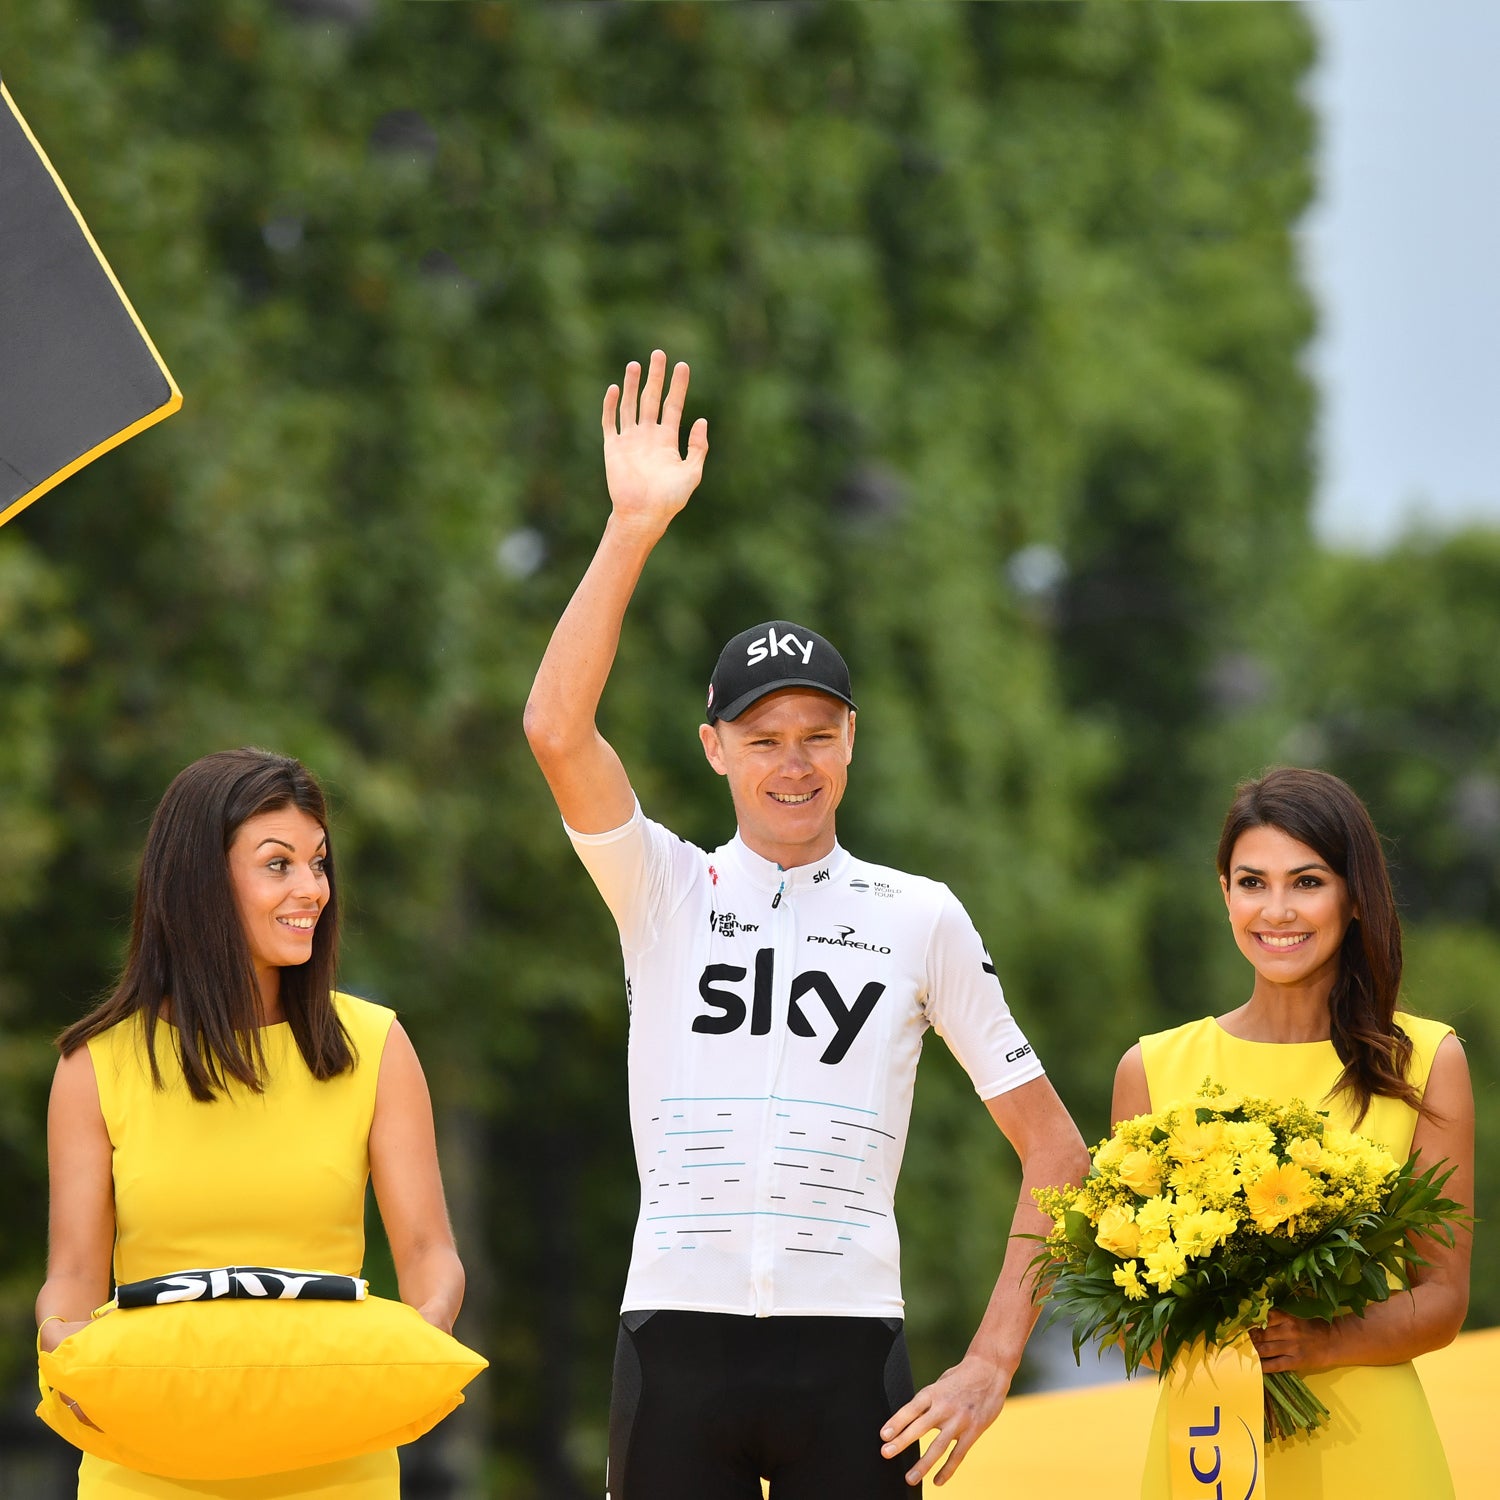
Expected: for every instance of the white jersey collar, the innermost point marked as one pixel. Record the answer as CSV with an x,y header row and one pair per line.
x,y
767,875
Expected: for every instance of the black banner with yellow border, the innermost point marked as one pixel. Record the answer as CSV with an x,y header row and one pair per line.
x,y
78,371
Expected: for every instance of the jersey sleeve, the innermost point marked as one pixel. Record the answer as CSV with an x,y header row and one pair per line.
x,y
642,870
967,1008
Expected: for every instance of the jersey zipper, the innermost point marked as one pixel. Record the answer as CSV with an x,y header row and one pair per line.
x,y
767,1230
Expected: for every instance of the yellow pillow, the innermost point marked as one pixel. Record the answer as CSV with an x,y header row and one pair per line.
x,y
234,1388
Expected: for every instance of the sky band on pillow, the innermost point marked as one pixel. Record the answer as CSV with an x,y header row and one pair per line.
x,y
78,371
268,1283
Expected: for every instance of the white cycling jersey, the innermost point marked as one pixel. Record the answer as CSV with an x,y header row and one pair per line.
x,y
776,1017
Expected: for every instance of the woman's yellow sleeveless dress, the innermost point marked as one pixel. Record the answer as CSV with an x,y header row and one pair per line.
x,y
1381,1441
270,1179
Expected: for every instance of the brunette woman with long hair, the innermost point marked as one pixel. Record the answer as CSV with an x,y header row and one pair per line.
x,y
1310,906
226,1104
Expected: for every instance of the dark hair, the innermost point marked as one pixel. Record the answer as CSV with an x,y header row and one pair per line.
x,y
1319,810
187,944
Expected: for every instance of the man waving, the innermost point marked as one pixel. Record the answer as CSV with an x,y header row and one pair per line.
x,y
779,990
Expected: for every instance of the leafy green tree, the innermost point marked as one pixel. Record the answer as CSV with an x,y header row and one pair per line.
x,y
1388,666
993,313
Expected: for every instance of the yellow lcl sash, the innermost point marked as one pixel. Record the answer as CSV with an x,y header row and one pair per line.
x,y
1215,1424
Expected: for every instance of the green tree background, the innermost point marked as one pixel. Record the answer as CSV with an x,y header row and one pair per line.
x,y
996,316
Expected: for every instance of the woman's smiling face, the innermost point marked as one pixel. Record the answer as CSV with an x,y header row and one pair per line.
x,y
1288,908
280,885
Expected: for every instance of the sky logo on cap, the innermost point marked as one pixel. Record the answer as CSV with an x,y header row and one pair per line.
x,y
770,644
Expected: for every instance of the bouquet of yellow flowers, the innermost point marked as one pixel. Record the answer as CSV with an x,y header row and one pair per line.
x,y
1197,1221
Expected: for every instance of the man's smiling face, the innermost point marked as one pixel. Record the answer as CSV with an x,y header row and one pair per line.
x,y
787,762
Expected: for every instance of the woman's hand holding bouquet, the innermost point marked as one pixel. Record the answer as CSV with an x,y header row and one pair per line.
x,y
1201,1220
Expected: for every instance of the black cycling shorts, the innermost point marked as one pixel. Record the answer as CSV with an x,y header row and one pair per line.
x,y
705,1404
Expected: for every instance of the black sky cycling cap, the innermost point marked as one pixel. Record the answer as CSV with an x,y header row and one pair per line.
x,y
775,655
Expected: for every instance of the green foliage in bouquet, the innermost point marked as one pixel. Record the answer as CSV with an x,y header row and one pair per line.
x,y
1198,1221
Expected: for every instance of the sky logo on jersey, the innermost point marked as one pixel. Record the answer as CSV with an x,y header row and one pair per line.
x,y
728,1011
771,644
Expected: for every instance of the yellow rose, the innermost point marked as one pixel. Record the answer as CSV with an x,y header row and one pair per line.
x,y
1117,1232
1141,1173
1110,1152
1343,1142
1306,1152
1380,1161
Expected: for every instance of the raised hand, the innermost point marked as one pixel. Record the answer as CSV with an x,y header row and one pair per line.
x,y
649,479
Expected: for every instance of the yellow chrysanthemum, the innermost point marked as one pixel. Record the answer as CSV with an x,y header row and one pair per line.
x,y
1191,1141
1218,1182
1355,1153
1154,1220
1164,1265
1255,1163
1117,1232
1279,1195
1212,1181
1140,1171
1128,1277
1248,1135
1204,1231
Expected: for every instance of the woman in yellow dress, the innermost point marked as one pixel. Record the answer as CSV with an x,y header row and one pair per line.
x,y
1310,906
225,1105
